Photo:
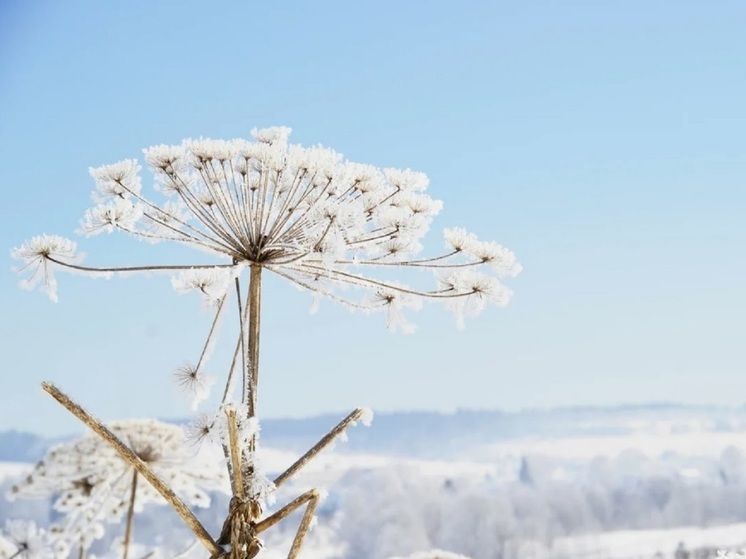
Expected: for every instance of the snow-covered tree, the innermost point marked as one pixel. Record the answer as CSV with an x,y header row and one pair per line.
x,y
387,517
732,466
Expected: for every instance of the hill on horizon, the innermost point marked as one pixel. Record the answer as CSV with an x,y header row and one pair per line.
x,y
438,435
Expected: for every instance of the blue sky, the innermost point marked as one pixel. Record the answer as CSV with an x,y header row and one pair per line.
x,y
602,141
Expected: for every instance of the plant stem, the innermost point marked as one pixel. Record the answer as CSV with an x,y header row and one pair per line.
x,y
241,339
235,456
252,365
130,516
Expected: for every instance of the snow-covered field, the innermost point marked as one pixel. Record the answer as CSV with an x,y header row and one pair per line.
x,y
634,544
644,490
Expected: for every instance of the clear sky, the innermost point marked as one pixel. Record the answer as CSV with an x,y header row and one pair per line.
x,y
604,142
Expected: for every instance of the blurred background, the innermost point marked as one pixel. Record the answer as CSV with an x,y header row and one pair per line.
x,y
599,415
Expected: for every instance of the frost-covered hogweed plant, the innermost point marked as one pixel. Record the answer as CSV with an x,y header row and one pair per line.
x,y
93,485
341,230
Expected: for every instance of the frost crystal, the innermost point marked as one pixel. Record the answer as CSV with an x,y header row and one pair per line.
x,y
248,427
479,289
258,486
366,417
121,214
120,180
212,283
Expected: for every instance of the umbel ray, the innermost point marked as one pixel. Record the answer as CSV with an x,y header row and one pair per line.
x,y
239,537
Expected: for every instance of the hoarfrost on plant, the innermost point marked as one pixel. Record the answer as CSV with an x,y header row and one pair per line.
x,y
333,227
40,255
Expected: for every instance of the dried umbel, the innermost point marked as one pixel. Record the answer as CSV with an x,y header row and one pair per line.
x,y
305,214
92,484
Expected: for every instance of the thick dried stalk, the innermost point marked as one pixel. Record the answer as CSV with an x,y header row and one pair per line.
x,y
235,455
319,446
130,517
141,467
252,372
239,530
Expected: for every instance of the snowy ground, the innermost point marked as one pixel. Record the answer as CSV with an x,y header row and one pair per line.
x,y
572,497
645,544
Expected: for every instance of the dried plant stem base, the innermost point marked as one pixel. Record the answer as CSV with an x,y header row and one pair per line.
x,y
239,538
241,529
239,534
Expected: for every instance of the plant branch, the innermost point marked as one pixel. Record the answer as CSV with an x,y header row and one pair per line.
x,y
312,498
319,446
136,268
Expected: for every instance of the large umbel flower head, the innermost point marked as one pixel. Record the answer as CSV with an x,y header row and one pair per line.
x,y
92,484
305,214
